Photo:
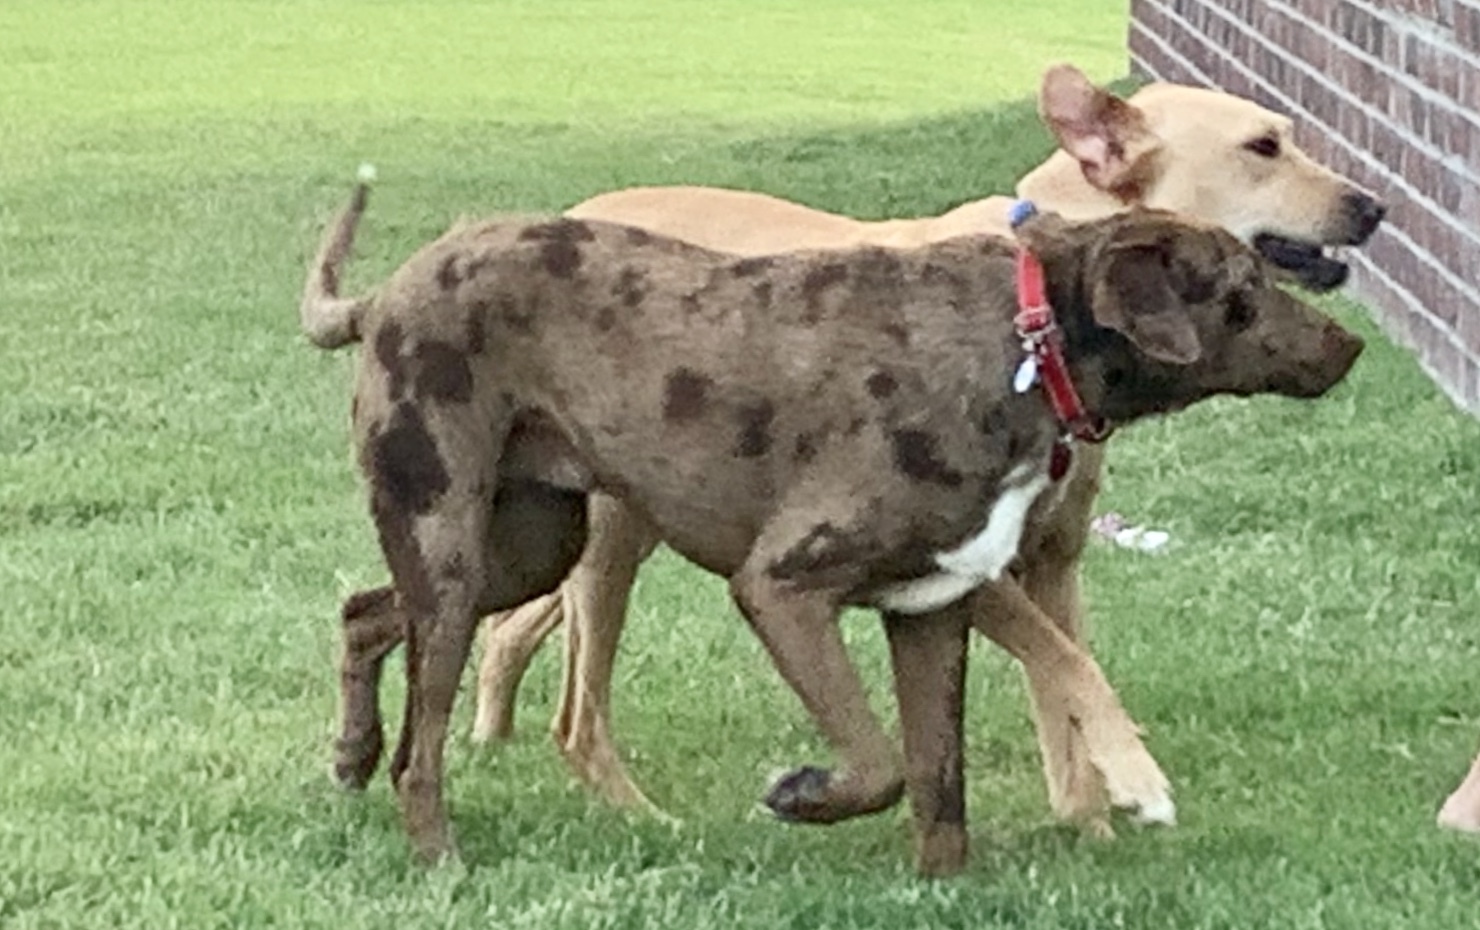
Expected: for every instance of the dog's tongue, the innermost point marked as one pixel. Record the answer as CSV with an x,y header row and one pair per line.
x,y
1310,265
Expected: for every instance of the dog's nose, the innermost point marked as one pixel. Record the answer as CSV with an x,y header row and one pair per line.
x,y
1364,214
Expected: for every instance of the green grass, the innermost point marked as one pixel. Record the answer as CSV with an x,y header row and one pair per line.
x,y
179,516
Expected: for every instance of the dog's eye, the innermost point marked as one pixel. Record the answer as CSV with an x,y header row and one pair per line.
x,y
1240,313
1264,146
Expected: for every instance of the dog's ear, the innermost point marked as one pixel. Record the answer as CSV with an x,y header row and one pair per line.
x,y
1105,134
1132,294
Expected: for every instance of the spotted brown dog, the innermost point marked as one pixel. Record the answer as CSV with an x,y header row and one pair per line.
x,y
822,429
1202,153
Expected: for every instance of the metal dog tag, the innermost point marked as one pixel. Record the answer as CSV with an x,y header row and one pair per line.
x,y
1026,376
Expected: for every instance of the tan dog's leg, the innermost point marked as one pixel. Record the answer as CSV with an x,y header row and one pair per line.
x,y
509,645
1068,686
929,658
1050,576
595,601
1462,810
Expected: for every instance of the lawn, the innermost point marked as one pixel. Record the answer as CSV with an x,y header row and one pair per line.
x,y
179,515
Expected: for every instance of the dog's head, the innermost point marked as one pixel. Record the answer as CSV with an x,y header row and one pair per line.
x,y
1214,157
1174,311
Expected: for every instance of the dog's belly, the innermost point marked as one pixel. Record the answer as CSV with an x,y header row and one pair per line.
x,y
981,558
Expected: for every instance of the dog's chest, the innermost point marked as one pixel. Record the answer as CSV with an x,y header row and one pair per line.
x,y
980,558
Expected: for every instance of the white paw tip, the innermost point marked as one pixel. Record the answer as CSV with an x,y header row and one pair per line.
x,y
1161,812
366,174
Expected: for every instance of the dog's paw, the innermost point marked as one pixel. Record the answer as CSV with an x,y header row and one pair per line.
x,y
1157,812
356,759
802,796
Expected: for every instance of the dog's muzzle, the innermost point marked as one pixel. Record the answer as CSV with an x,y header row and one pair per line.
x,y
1307,261
1360,216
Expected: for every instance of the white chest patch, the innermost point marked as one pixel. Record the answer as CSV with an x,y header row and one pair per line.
x,y
982,558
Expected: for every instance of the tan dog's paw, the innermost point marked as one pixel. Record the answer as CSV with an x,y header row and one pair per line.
x,y
1144,792
1460,814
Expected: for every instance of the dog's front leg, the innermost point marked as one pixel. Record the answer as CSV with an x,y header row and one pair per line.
x,y
928,653
1071,686
1050,576
799,628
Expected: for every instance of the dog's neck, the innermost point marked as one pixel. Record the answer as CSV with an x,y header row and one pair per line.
x,y
1058,185
1114,380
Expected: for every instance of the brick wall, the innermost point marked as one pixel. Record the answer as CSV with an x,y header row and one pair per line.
x,y
1386,92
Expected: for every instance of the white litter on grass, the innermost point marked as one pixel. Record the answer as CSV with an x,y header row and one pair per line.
x,y
366,174
1118,530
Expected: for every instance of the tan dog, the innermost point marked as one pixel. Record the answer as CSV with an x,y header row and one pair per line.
x,y
1201,153
823,429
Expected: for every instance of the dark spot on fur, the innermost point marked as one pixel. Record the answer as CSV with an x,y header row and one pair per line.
x,y
520,319
855,426
388,355
823,547
476,334
631,286
881,384
917,458
880,271
996,425
685,394
562,228
447,273
606,318
898,333
443,373
637,236
937,274
805,449
561,253
746,267
817,281
762,292
691,303
405,465
561,258
456,568
755,429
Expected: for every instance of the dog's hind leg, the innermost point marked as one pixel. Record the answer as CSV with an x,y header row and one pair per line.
x,y
595,597
371,622
928,654
1069,686
431,470
509,645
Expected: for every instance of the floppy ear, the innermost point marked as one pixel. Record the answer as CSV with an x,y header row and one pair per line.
x,y
1132,294
1105,134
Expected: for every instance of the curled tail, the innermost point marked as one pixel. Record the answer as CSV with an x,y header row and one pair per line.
x,y
328,320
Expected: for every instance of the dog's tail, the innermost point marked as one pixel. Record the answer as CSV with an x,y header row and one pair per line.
x,y
328,320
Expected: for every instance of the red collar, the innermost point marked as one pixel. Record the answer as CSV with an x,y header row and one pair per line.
x,y
1043,347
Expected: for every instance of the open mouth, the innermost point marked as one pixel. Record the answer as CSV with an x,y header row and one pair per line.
x,y
1306,261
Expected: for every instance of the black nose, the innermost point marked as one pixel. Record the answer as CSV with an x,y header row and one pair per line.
x,y
1363,214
